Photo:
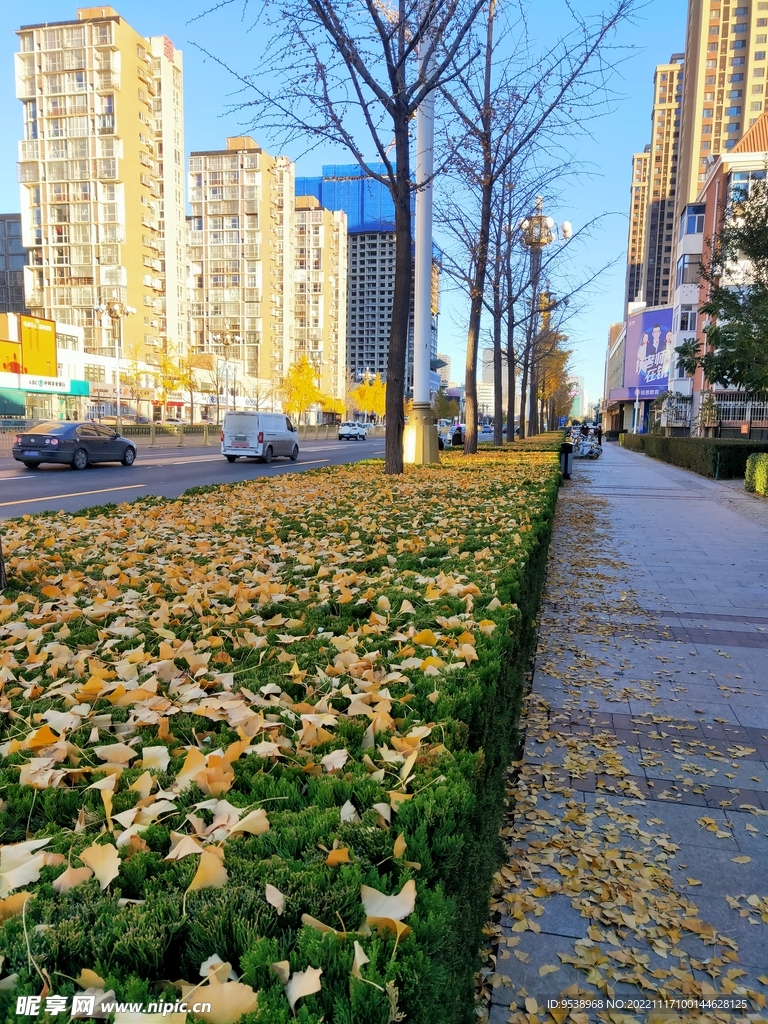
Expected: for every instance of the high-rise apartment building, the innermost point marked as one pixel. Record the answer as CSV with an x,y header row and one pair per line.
x,y
13,259
241,255
103,129
662,181
170,310
371,268
638,201
724,93
320,293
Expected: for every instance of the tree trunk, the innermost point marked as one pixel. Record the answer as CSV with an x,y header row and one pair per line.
x,y
524,382
481,259
498,391
511,375
3,577
401,304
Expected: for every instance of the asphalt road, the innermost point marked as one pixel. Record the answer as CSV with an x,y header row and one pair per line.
x,y
167,472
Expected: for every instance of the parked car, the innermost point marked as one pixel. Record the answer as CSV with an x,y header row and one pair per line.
x,y
74,444
258,435
351,431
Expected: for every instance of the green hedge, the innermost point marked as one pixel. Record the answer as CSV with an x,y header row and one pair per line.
x,y
633,442
383,527
720,458
756,476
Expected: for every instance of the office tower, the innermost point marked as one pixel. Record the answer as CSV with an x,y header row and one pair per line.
x,y
444,371
13,259
636,234
371,268
724,90
95,215
320,293
241,255
662,181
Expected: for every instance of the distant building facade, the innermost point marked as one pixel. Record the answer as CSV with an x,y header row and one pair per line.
x,y
13,258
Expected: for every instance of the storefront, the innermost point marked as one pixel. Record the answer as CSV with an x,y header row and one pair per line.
x,y
25,397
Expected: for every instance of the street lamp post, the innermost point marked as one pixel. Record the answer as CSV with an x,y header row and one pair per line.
x,y
225,340
420,444
537,232
116,311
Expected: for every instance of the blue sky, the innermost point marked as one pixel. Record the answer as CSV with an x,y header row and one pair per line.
x,y
656,33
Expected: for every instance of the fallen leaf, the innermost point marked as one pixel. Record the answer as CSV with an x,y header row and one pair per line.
x,y
210,874
377,904
104,861
303,983
275,897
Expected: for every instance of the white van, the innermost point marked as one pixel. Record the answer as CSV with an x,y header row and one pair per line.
x,y
258,435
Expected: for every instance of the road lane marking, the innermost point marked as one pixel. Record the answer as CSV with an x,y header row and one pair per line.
x,y
74,494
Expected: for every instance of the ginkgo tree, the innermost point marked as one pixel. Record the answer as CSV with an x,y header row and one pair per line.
x,y
370,396
299,388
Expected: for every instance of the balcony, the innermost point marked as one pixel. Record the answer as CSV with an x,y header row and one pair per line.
x,y
29,150
105,124
106,81
28,172
106,169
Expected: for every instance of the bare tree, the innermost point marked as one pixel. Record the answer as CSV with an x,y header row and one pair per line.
x,y
333,67
502,105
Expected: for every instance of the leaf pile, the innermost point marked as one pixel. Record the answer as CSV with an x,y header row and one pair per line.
x,y
258,735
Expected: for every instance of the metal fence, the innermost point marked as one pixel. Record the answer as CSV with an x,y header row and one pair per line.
x,y
181,435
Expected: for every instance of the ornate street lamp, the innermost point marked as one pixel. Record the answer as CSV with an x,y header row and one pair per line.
x,y
536,233
116,311
225,339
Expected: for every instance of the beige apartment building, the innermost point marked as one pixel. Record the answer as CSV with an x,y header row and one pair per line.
x,y
101,178
662,181
241,256
638,201
320,293
725,83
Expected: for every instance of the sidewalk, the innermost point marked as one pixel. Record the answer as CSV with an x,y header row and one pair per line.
x,y
638,827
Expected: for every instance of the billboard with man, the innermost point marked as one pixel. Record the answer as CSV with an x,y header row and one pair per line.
x,y
649,353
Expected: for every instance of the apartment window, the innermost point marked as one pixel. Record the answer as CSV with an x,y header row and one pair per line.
x,y
740,28
758,73
737,62
688,318
707,112
741,12
95,373
733,128
688,270
735,94
757,90
759,54
733,111
736,78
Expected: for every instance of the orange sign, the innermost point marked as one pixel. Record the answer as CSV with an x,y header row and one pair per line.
x,y
38,346
10,357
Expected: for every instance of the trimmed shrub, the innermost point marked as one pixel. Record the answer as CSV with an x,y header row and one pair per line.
x,y
756,476
633,442
720,458
344,652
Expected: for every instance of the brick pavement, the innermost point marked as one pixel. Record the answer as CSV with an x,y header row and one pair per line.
x,y
649,706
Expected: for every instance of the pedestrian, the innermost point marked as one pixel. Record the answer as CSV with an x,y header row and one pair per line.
x,y
584,430
457,440
599,433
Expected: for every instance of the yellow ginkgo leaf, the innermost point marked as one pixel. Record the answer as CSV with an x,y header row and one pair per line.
x,y
741,860
338,856
282,969
70,878
360,960
548,969
256,823
210,874
228,1001
274,897
104,861
13,905
400,846
377,904
89,979
303,983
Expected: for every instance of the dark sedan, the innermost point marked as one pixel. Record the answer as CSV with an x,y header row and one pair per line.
x,y
74,444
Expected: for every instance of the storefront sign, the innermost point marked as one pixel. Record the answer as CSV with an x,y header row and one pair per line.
x,y
24,382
